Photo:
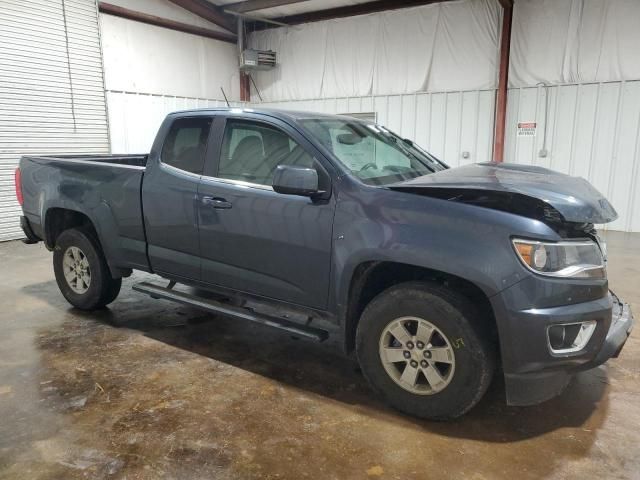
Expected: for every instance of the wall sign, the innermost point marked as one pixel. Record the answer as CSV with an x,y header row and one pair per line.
x,y
527,129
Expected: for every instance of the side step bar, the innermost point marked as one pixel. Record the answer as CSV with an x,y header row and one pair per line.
x,y
156,291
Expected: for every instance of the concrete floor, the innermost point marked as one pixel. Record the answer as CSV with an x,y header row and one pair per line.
x,y
147,389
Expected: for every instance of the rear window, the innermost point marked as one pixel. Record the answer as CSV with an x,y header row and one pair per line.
x,y
185,145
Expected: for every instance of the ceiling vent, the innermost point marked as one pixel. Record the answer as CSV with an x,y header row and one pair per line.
x,y
257,59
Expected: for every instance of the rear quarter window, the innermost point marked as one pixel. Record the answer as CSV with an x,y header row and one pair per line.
x,y
186,143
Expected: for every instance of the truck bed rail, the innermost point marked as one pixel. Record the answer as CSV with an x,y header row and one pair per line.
x,y
135,160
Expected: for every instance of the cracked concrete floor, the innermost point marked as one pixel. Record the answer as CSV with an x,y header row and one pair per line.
x,y
148,390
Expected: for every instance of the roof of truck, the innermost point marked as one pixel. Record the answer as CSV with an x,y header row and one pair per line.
x,y
272,112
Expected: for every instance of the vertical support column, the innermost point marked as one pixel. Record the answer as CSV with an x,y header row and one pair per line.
x,y
245,86
503,80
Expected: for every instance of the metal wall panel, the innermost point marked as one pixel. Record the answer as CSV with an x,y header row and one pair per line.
x,y
457,127
592,131
51,88
134,118
447,124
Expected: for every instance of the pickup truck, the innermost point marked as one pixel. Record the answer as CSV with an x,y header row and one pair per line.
x,y
436,277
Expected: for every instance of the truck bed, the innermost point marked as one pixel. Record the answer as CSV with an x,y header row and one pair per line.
x,y
104,188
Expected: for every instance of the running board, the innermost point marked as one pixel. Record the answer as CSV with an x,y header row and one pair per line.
x,y
156,291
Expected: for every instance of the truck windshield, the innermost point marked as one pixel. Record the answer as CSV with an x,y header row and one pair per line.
x,y
371,152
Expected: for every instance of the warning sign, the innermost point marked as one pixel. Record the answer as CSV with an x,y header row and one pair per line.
x,y
527,129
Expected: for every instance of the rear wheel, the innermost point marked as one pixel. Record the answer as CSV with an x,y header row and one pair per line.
x,y
81,270
422,347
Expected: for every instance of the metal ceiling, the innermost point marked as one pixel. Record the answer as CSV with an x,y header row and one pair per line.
x,y
263,13
290,8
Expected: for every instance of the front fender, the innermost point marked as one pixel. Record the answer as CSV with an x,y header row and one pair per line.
x,y
470,242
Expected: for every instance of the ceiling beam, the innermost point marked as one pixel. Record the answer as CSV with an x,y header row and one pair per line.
x,y
118,11
253,5
350,11
209,12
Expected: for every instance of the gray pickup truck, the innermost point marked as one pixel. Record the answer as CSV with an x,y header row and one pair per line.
x,y
435,277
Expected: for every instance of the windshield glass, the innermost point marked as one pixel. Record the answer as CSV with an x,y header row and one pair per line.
x,y
371,152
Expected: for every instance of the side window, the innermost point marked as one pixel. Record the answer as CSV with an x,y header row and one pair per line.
x,y
186,143
252,151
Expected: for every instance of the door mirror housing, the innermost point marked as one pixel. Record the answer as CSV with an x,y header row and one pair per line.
x,y
291,180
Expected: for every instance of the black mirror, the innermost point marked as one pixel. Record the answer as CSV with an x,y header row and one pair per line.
x,y
295,180
349,138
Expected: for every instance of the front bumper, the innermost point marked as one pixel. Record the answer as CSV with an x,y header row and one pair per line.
x,y
621,325
533,373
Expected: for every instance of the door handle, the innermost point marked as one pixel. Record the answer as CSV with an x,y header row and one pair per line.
x,y
216,202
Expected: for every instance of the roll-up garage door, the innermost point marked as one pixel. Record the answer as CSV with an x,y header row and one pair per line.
x,y
52,98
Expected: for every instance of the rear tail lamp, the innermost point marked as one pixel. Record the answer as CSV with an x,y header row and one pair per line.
x,y
18,182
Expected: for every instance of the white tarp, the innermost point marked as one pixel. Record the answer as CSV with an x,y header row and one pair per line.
x,y
440,47
148,59
574,41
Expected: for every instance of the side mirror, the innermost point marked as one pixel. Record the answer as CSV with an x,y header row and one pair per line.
x,y
292,180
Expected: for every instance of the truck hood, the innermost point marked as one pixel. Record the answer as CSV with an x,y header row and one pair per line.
x,y
575,199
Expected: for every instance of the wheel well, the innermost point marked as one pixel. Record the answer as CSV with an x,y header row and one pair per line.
x,y
372,278
57,220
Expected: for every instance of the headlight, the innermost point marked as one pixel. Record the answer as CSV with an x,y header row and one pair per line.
x,y
579,259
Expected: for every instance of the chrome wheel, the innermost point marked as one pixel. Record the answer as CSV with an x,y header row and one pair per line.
x,y
76,270
417,355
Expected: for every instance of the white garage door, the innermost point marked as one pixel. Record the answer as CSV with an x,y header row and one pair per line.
x,y
52,97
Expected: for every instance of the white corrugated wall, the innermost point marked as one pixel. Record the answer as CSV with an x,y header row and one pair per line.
x,y
134,118
151,71
456,127
593,131
51,88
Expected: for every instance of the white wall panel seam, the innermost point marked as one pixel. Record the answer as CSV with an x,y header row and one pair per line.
x,y
594,132
634,180
460,125
616,137
551,145
573,129
446,115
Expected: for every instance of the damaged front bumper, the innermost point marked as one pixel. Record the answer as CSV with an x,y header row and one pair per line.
x,y
534,378
621,325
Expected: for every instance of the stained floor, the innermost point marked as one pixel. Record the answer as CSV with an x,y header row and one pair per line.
x,y
150,390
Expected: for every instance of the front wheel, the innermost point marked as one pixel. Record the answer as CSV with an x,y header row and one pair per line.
x,y
81,270
423,348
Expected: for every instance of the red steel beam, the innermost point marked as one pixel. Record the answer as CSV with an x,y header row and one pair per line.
x,y
346,11
503,80
209,12
118,11
245,87
253,5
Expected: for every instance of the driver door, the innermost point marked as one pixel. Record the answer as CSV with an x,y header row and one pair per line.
x,y
253,239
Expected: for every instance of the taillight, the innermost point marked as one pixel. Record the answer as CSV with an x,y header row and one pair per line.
x,y
18,182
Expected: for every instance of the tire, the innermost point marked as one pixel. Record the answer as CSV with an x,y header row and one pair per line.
x,y
458,334
102,289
